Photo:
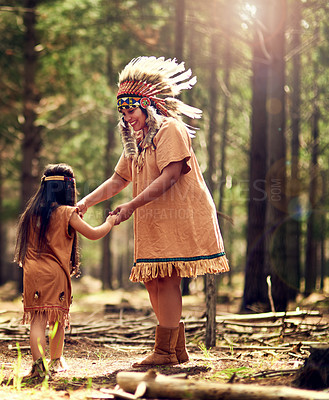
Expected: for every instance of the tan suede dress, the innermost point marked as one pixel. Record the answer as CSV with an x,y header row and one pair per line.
x,y
179,229
46,279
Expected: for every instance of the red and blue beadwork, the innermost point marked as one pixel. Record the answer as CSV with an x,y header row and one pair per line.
x,y
133,102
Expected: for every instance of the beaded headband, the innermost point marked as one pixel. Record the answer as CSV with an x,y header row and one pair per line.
x,y
57,178
133,102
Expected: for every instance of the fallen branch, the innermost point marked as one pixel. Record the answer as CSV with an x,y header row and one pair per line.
x,y
268,315
161,386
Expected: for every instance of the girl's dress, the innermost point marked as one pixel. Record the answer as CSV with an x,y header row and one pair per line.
x,y
179,229
46,279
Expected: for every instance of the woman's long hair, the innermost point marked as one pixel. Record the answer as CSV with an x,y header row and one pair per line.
x,y
50,195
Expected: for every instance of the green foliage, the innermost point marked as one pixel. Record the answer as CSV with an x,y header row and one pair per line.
x,y
82,45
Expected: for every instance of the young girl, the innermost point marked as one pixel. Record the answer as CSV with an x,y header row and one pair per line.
x,y
47,250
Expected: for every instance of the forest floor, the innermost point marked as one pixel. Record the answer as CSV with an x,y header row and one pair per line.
x,y
112,329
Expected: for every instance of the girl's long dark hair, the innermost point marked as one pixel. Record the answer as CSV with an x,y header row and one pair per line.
x,y
50,195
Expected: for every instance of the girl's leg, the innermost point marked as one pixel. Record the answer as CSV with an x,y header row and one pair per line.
x,y
38,335
56,339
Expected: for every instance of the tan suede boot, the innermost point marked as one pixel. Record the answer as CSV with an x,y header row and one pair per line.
x,y
164,348
181,352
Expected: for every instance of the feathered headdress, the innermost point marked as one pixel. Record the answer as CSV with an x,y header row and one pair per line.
x,y
152,83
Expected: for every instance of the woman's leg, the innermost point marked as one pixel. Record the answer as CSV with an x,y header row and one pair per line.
x,y
152,289
56,339
166,299
169,301
38,335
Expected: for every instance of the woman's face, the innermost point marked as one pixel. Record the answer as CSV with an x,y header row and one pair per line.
x,y
135,117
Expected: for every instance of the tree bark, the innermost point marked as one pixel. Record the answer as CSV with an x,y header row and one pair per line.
x,y
180,28
213,97
323,230
293,184
312,264
31,132
275,246
211,300
179,54
107,259
255,289
2,230
210,280
32,141
313,223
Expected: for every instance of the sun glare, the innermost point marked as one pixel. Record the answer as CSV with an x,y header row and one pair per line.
x,y
247,14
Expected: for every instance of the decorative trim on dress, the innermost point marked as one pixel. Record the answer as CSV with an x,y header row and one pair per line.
x,y
53,313
145,270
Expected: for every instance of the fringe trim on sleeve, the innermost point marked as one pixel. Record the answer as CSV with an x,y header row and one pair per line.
x,y
144,272
53,314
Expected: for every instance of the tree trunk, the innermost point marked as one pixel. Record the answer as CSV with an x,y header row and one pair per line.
x,y
31,144
275,250
210,280
211,299
313,223
179,34
179,54
293,186
107,259
213,99
224,130
2,230
225,124
255,289
31,132
323,230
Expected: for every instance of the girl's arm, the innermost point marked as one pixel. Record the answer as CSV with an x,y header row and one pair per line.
x,y
106,190
92,233
169,176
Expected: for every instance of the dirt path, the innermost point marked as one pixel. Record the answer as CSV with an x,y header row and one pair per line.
x,y
94,365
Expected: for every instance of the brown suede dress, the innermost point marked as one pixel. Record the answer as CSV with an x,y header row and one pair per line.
x,y
179,229
46,280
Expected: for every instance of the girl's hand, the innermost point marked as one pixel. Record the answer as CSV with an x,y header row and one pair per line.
x,y
111,219
123,212
82,207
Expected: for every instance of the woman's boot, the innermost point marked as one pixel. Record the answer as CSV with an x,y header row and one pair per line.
x,y
181,352
164,348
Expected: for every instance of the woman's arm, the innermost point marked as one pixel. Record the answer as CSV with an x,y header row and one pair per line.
x,y
159,186
92,233
106,190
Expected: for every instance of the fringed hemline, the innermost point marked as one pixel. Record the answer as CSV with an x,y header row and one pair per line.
x,y
53,314
146,271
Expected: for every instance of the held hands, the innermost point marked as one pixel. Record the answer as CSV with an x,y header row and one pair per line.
x,y
111,219
120,214
123,212
82,207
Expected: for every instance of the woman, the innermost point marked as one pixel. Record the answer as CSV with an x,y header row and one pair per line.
x,y
175,222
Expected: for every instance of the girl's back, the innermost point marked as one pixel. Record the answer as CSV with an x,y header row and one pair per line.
x,y
47,283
